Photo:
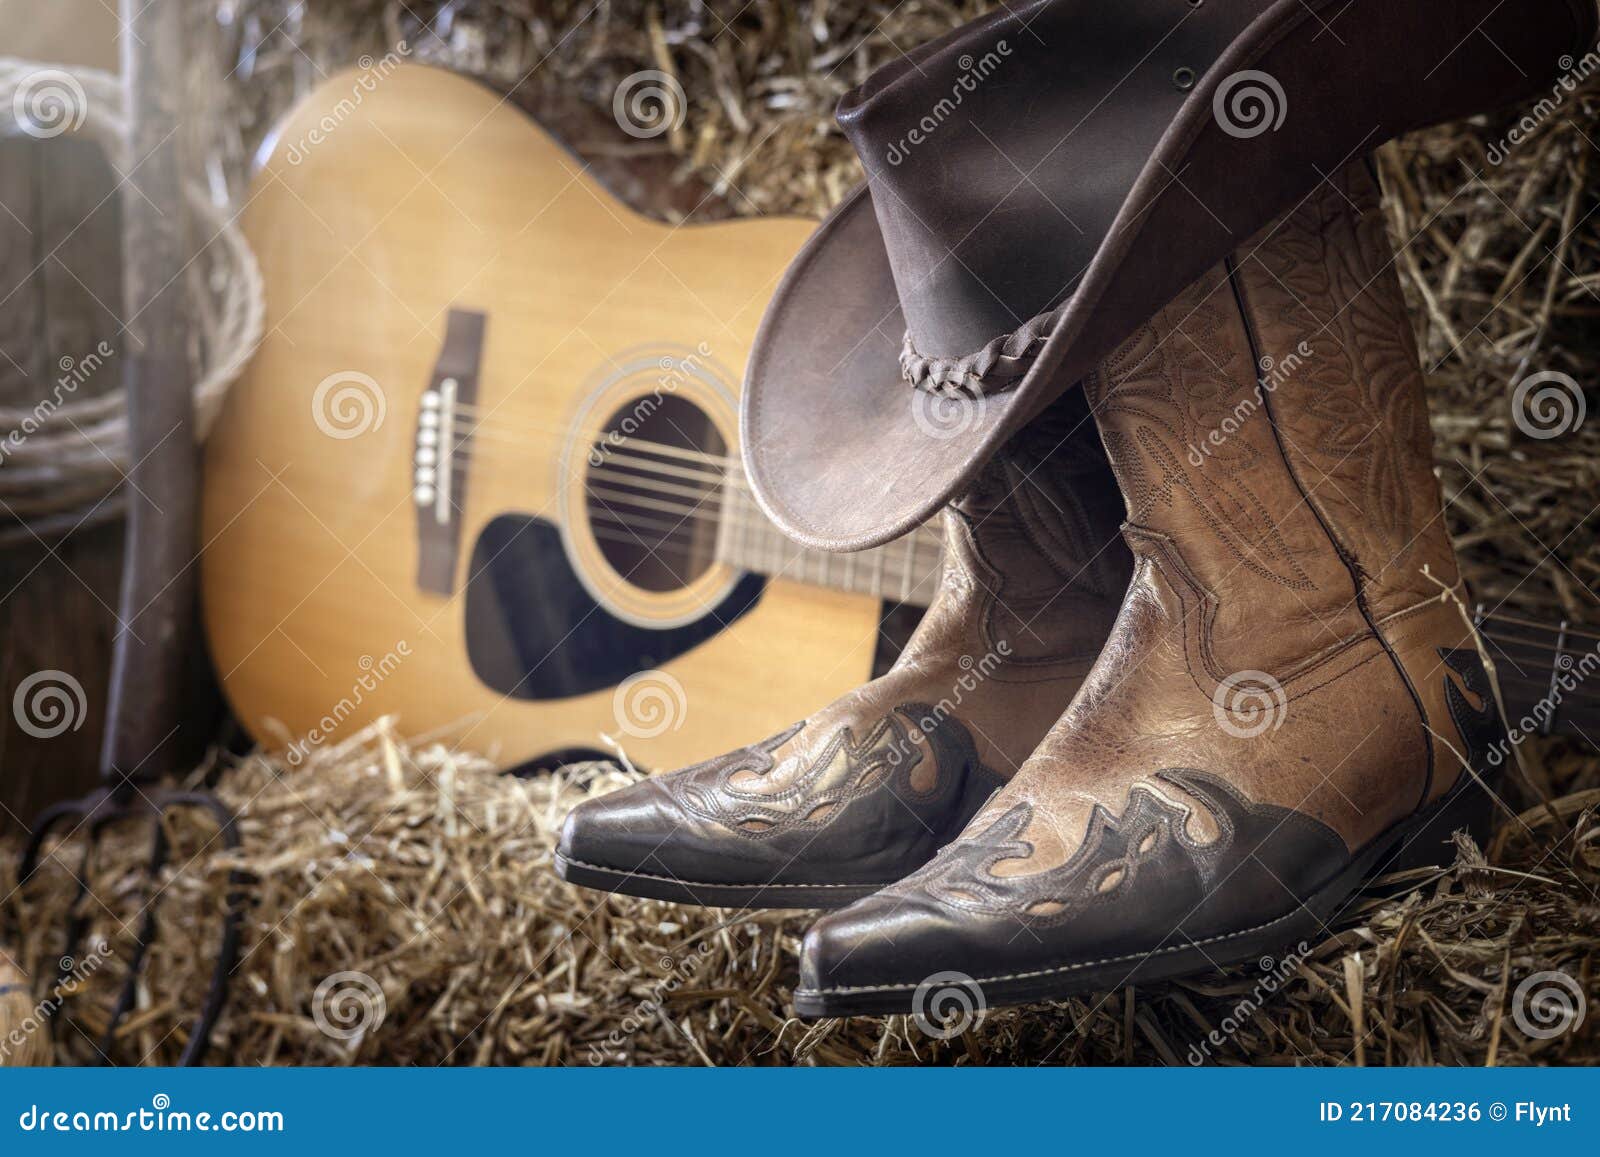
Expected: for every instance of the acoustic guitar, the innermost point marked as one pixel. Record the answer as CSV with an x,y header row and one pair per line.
x,y
483,475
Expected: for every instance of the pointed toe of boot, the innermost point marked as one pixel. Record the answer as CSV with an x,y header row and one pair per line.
x,y
642,841
621,831
645,840
878,954
817,828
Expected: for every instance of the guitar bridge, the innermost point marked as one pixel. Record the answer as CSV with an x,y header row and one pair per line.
x,y
445,421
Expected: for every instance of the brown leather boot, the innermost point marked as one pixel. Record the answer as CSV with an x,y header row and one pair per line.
x,y
1285,705
867,789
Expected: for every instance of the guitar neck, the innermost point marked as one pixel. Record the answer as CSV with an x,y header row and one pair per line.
x,y
905,570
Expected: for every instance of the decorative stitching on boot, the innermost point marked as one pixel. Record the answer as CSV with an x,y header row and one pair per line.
x,y
841,773
1115,848
634,872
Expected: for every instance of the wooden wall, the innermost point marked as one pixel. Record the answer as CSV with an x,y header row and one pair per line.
x,y
60,278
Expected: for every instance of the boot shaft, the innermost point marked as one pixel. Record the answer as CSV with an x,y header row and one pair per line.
x,y
1350,407
1035,564
1269,430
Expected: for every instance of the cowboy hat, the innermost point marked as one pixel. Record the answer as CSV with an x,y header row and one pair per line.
x,y
1041,181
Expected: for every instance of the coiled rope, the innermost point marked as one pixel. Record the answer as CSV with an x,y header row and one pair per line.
x,y
63,460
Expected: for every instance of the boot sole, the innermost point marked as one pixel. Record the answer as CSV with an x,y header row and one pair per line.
x,y
759,896
1424,841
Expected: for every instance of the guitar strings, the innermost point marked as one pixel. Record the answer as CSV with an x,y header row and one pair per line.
x,y
912,560
700,508
918,543
921,556
1501,617
722,486
915,559
1546,659
926,550
502,430
718,478
881,566
464,454
786,557
725,513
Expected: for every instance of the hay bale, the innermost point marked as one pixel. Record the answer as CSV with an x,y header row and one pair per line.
x,y
404,911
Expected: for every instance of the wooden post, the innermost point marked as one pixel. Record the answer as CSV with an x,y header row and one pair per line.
x,y
157,604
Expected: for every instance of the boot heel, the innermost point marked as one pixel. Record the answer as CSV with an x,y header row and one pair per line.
x,y
1430,842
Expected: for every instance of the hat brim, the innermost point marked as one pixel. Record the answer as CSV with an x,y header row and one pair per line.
x,y
843,454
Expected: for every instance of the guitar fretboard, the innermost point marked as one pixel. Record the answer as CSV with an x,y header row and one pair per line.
x,y
905,570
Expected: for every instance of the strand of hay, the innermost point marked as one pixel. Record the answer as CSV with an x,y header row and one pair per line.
x,y
405,912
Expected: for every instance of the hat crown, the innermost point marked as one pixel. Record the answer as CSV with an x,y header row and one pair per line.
x,y
999,154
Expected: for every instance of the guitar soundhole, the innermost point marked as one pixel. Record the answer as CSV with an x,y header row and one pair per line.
x,y
653,490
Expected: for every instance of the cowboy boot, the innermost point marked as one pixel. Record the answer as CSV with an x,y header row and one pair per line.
x,y
1287,705
867,789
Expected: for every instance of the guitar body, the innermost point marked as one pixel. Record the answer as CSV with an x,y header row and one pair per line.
x,y
435,262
